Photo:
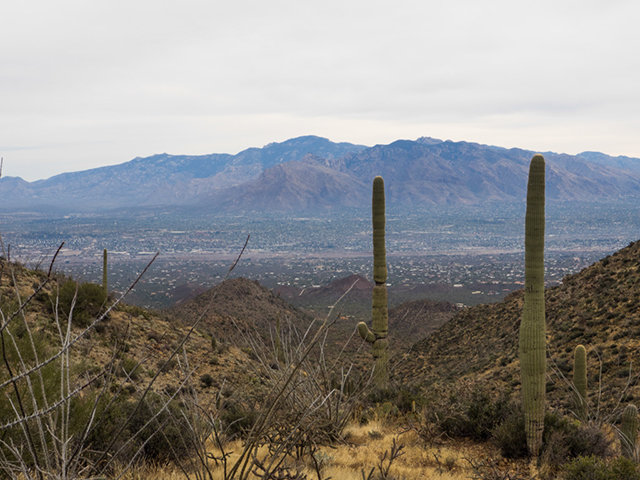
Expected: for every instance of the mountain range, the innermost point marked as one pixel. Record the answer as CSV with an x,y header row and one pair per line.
x,y
314,174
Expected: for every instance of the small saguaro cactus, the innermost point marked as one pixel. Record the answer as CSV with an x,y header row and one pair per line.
x,y
105,285
629,430
377,337
533,364
279,351
580,382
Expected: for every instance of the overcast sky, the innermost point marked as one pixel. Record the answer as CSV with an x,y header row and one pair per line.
x,y
85,84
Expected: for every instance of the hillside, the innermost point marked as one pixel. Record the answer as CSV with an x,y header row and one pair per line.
x,y
318,298
243,306
598,307
137,342
238,305
417,319
312,173
294,186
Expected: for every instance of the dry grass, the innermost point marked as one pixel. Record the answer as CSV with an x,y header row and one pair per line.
x,y
365,447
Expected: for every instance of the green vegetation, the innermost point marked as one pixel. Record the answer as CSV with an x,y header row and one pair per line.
x,y
580,382
377,337
532,329
594,468
105,278
81,302
279,351
629,431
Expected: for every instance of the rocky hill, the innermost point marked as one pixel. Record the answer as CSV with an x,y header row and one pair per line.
x,y
320,297
598,307
238,306
137,343
312,173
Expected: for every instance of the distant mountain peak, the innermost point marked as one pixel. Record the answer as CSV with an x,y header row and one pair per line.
x,y
429,141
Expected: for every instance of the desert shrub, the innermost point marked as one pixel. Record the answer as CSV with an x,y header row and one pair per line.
x,y
576,439
401,397
563,439
129,368
157,439
206,380
237,419
166,365
594,468
134,310
510,436
478,415
90,300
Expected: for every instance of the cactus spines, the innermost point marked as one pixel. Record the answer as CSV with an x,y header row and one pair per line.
x,y
532,327
380,315
580,382
629,430
105,285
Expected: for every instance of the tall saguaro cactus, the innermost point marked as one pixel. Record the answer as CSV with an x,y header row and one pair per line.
x,y
532,327
380,315
105,285
580,382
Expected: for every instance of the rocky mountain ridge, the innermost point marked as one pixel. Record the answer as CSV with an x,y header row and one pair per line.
x,y
314,174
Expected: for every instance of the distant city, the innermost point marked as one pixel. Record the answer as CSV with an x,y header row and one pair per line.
x,y
474,254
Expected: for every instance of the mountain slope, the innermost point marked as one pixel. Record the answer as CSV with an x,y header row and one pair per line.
x,y
312,173
621,162
238,305
417,319
161,180
469,173
294,186
598,307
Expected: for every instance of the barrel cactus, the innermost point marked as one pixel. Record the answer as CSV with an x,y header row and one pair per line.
x,y
377,337
580,382
532,327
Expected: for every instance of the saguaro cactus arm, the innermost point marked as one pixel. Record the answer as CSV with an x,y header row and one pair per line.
x,y
365,333
532,328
